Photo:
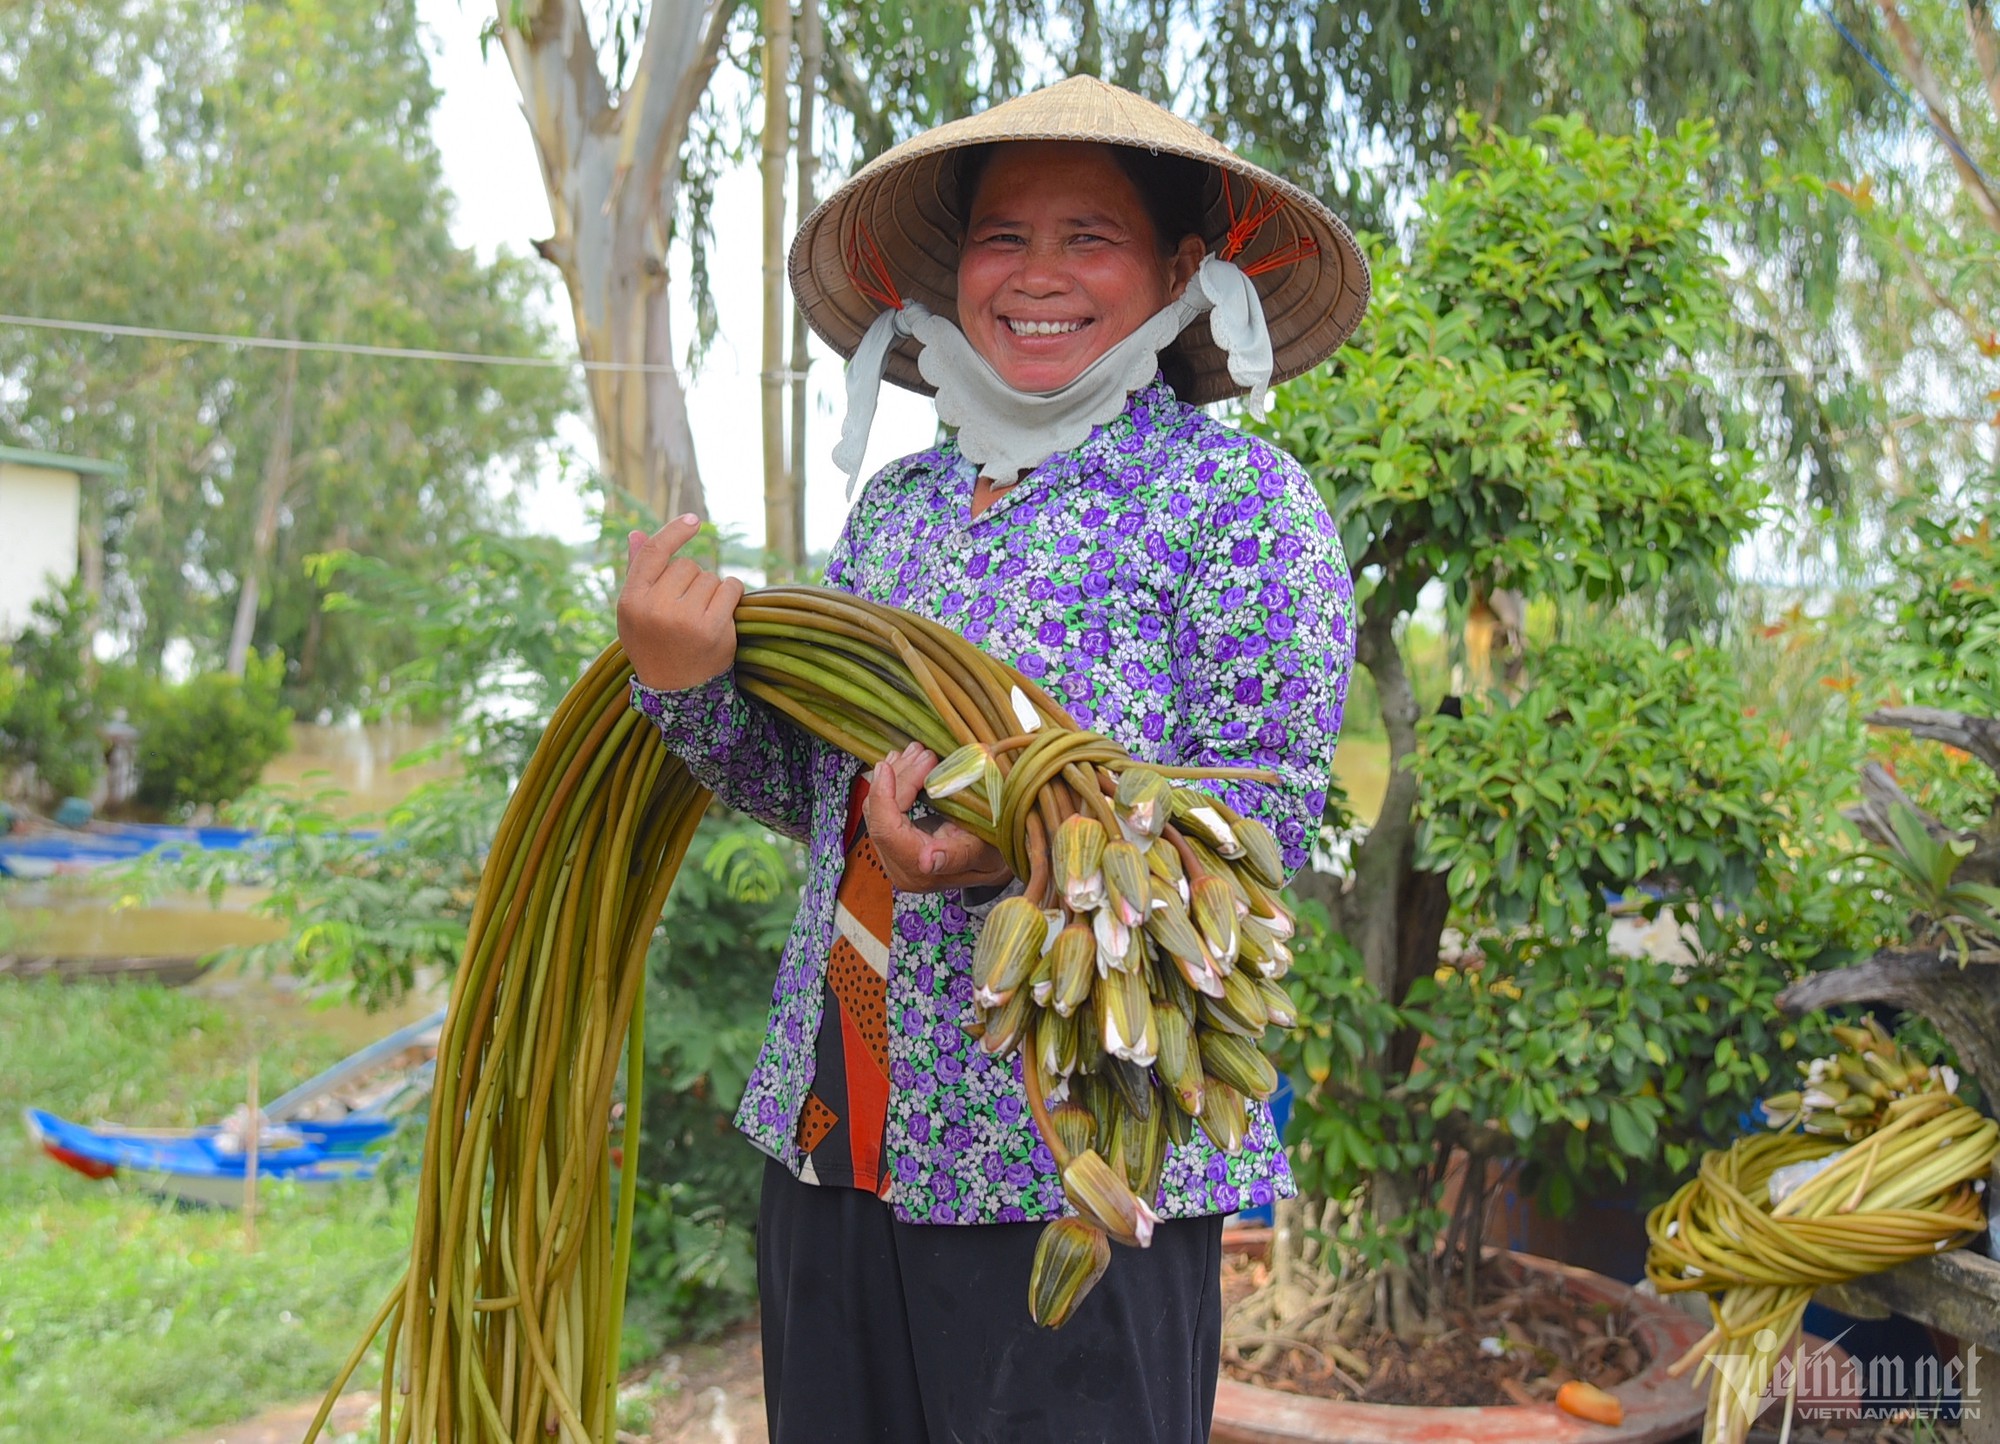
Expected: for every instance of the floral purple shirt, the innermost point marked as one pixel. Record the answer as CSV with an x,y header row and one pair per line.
x,y
1179,587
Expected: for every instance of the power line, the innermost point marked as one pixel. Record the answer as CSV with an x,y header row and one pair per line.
x,y
339,348
487,358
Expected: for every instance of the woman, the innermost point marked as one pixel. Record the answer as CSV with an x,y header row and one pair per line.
x,y
1175,583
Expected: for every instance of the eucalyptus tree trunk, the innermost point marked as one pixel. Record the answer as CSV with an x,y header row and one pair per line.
x,y
780,485
611,165
264,531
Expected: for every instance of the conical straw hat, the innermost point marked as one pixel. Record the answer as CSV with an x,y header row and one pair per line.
x,y
905,202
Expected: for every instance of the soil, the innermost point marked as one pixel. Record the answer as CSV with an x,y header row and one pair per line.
x,y
710,1393
1524,1340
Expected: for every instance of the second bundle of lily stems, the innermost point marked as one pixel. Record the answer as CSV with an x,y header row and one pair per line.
x,y
1133,973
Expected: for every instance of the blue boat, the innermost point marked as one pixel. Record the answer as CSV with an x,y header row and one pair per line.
x,y
208,1164
46,854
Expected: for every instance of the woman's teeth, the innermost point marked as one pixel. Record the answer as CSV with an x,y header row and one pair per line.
x,y
1044,328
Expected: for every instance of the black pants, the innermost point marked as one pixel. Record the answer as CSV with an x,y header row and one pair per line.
x,y
895,1333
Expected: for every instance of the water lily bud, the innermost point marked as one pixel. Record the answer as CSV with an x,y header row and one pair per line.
x,y
1076,1130
1267,909
1127,1015
1041,981
1279,1008
1178,1065
1223,1117
1126,890
1260,852
1008,943
1114,941
1200,815
1165,864
1101,1197
1131,1085
1214,909
1055,1043
1070,1257
971,764
1138,1149
1145,801
1199,973
1172,930
1238,1062
1075,953
1074,858
1241,1004
1007,1024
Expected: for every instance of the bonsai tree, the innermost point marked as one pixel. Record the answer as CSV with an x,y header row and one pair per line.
x,y
1524,409
1627,770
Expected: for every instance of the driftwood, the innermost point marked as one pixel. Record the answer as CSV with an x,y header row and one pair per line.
x,y
1964,1002
1956,1292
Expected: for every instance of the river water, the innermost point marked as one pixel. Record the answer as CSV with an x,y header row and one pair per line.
x,y
354,769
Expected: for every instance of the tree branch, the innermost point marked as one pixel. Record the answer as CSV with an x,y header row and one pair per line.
x,y
683,38
1926,83
1881,797
1985,49
556,43
845,89
1979,736
1964,1002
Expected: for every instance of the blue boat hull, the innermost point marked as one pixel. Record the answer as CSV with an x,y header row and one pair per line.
x,y
200,1165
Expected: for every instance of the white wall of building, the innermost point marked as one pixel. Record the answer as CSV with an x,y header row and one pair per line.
x,y
40,511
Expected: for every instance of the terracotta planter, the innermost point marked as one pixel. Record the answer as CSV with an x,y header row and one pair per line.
x,y
1656,1408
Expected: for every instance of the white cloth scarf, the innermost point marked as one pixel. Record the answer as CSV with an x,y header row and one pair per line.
x,y
1004,432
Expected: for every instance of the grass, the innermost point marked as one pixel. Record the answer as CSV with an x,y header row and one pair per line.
x,y
125,1318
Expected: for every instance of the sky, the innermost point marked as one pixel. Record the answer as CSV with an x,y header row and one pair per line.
x,y
489,163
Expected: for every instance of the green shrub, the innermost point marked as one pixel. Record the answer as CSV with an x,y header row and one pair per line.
x,y
48,716
208,739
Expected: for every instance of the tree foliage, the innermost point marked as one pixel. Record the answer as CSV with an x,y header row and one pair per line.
x,y
207,740
258,170
1522,404
48,708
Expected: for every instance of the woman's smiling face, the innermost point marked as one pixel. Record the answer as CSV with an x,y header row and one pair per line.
x,y
1060,262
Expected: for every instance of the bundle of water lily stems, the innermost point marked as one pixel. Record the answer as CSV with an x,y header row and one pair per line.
x,y
1133,975
1778,1215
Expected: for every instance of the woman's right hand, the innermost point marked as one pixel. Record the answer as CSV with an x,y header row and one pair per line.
x,y
677,622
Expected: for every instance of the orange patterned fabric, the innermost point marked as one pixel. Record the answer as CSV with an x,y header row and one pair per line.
x,y
845,1114
816,1120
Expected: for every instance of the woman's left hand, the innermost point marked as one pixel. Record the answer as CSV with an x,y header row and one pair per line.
x,y
923,858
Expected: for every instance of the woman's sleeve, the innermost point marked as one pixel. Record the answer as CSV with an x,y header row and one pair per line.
x,y
1265,644
754,760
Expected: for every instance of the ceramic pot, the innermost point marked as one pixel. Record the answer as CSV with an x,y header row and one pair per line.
x,y
1657,1408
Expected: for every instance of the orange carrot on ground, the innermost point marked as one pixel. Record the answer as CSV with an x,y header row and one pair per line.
x,y
1587,1401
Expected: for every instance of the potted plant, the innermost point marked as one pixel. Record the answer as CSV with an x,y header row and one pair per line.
x,y
1522,412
